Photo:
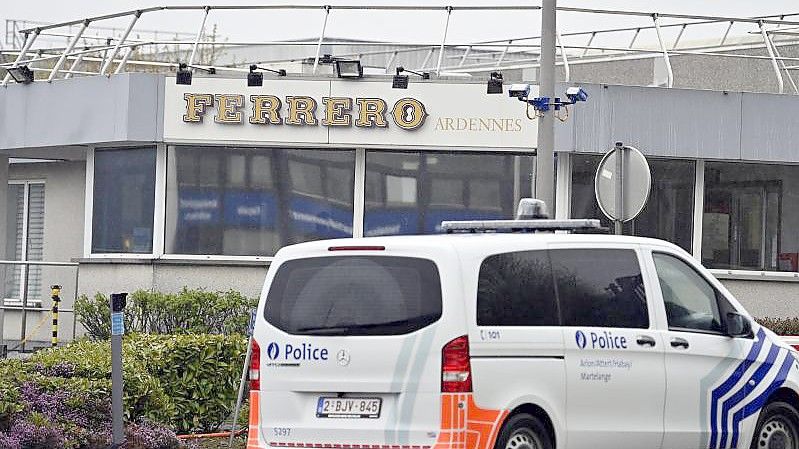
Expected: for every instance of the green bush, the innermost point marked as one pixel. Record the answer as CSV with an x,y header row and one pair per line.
x,y
781,326
186,312
188,382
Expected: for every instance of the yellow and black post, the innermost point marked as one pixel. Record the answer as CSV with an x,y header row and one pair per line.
x,y
55,294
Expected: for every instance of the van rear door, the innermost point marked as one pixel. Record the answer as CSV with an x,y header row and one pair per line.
x,y
351,349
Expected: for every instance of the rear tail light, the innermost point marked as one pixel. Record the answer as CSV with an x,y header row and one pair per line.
x,y
456,367
255,366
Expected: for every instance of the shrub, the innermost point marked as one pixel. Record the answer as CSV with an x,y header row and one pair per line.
x,y
187,312
781,326
199,372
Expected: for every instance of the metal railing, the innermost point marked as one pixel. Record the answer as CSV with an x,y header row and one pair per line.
x,y
25,306
766,32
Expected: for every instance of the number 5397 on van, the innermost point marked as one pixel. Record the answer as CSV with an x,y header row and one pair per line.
x,y
512,340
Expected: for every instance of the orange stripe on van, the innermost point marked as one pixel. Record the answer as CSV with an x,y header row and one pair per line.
x,y
466,426
252,433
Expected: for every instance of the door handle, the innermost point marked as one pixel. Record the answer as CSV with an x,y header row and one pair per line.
x,y
679,342
645,340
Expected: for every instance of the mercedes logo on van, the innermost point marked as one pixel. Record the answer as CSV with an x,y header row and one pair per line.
x,y
273,351
343,357
579,337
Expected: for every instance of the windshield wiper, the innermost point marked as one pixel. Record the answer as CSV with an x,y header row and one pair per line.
x,y
346,328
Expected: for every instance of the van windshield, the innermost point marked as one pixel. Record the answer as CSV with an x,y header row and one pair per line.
x,y
354,295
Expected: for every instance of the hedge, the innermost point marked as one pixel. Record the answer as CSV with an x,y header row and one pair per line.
x,y
781,326
190,311
60,397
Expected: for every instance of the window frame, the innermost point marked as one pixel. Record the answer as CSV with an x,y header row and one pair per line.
x,y
159,205
719,295
18,302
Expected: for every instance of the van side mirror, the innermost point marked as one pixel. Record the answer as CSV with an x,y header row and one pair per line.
x,y
738,326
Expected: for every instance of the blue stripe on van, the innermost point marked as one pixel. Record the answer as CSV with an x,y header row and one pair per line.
x,y
741,394
756,404
728,384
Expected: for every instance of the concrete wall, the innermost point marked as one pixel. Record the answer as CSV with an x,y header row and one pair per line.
x,y
63,241
170,276
766,298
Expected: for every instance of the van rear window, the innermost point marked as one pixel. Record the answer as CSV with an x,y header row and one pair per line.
x,y
354,295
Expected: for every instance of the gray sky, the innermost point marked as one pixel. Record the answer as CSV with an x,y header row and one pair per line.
x,y
404,26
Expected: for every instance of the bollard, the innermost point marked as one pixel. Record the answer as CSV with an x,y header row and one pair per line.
x,y
118,302
55,294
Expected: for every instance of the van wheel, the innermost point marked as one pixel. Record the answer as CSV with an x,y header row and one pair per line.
x,y
777,428
524,431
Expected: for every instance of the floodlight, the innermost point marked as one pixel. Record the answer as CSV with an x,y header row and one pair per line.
x,y
21,74
349,69
255,79
401,81
183,75
494,83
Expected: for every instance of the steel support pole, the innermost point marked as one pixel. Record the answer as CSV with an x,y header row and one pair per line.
x,y
669,72
545,150
74,67
24,322
68,50
240,395
124,61
199,36
618,224
321,39
565,58
29,39
774,64
465,55
443,42
121,41
504,52
726,34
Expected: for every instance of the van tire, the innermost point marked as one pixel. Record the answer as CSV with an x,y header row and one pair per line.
x,y
777,426
524,431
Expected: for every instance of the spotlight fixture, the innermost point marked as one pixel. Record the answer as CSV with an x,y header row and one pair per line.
x,y
183,75
401,81
494,83
21,74
348,69
256,79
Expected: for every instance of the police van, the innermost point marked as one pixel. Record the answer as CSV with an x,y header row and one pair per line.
x,y
515,334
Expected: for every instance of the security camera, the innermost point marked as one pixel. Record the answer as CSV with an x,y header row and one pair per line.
x,y
576,94
520,91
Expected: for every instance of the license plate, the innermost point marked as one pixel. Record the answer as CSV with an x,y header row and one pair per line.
x,y
368,408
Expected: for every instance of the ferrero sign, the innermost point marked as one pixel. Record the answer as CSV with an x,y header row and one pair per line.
x,y
361,113
230,109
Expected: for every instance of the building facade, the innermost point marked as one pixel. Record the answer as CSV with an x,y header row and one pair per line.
x,y
147,184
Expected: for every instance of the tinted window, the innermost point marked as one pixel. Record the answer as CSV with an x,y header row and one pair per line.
x,y
516,289
690,301
600,287
124,200
371,295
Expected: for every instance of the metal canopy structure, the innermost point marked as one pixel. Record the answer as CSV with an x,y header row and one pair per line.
x,y
116,52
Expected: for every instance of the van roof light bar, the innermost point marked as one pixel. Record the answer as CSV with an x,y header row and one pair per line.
x,y
521,225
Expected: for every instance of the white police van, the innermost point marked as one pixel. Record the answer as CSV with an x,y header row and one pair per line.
x,y
512,340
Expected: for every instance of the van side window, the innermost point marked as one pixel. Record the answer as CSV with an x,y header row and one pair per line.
x,y
691,302
600,287
516,289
